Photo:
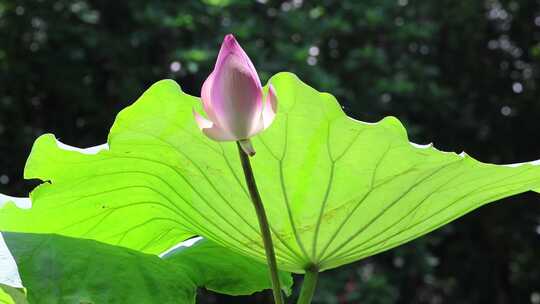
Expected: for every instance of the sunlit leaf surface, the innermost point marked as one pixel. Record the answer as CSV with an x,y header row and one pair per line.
x,y
58,269
335,189
12,295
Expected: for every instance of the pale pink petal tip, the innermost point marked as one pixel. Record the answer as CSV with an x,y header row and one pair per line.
x,y
230,44
270,107
211,130
202,122
229,40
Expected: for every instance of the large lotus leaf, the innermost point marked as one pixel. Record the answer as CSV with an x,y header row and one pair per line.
x,y
335,189
58,269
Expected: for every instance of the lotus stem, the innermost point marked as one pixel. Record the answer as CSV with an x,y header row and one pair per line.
x,y
263,224
308,286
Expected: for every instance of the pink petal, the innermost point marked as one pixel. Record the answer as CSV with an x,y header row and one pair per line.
x,y
236,97
212,130
270,107
231,46
268,113
206,97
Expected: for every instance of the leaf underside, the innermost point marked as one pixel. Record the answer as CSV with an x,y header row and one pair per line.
x,y
59,269
336,190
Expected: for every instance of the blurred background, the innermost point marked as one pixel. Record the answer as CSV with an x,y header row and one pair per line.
x,y
462,74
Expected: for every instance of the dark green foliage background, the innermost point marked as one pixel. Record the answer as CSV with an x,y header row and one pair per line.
x,y
463,74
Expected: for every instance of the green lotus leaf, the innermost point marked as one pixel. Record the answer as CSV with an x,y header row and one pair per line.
x,y
12,295
221,270
5,298
59,269
335,189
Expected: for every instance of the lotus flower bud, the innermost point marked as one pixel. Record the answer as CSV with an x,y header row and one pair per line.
x,y
233,100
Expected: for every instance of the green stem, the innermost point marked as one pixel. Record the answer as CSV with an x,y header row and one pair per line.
x,y
308,286
263,224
